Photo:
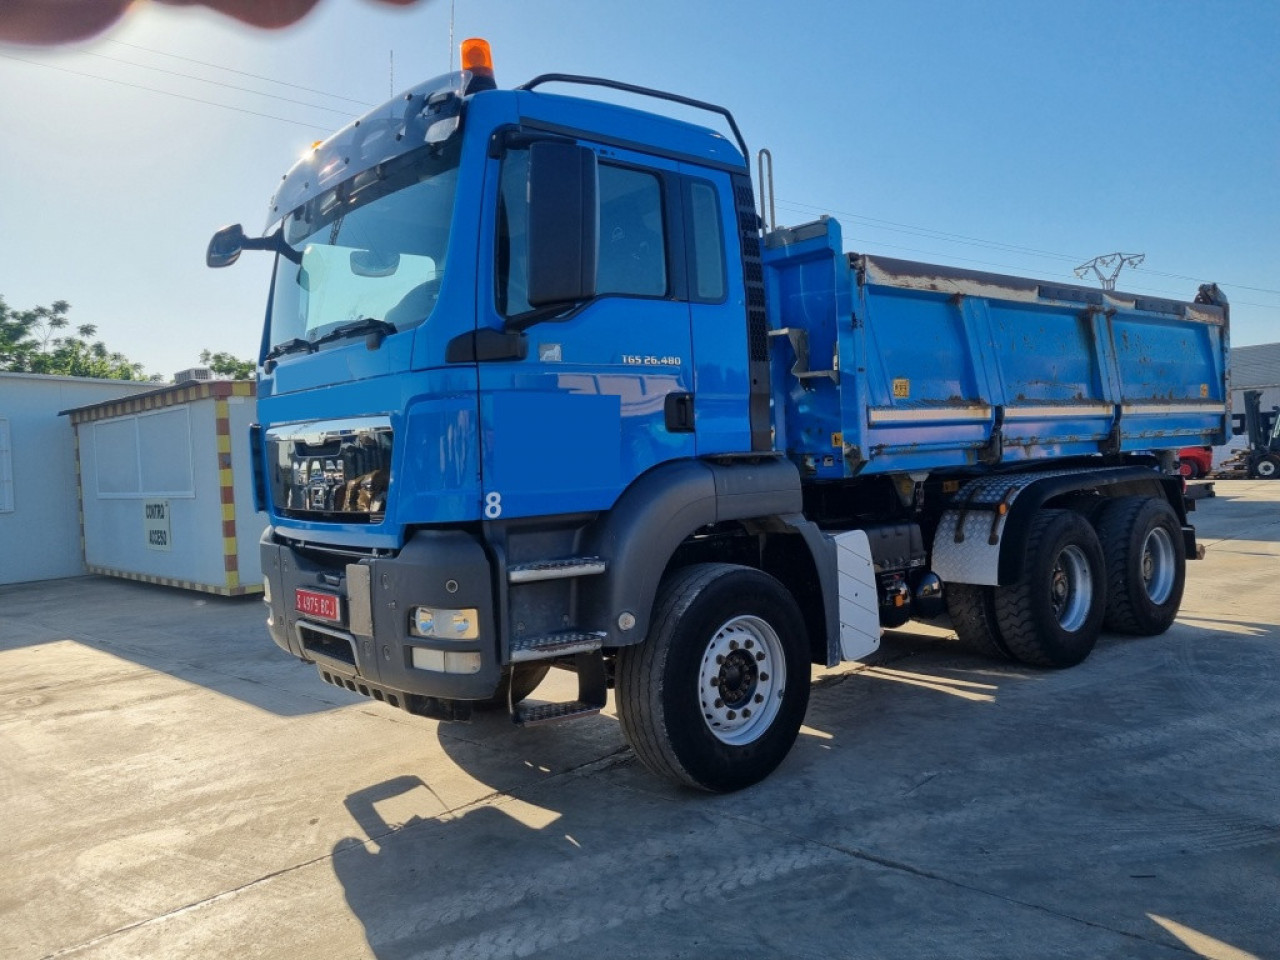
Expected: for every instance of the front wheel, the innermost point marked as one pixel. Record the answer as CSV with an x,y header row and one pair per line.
x,y
1052,616
715,695
1268,467
517,682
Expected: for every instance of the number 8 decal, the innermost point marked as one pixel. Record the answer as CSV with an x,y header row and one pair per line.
x,y
493,505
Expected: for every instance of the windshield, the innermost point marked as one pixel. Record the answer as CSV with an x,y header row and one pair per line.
x,y
371,249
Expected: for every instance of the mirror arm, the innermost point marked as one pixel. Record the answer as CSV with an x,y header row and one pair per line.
x,y
275,243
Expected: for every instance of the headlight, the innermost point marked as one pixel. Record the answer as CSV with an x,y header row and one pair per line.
x,y
266,590
445,624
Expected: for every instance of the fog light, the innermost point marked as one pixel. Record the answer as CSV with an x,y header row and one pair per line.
x,y
445,624
425,659
266,590
461,662
446,661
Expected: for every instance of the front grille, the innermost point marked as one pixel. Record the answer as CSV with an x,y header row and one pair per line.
x,y
326,644
338,471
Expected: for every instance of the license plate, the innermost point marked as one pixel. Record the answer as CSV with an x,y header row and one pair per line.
x,y
316,604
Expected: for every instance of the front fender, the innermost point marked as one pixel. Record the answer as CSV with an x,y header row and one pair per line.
x,y
661,510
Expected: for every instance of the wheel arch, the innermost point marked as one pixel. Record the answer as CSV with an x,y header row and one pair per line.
x,y
976,544
649,530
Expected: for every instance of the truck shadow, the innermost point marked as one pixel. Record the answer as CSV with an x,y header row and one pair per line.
x,y
499,847
456,862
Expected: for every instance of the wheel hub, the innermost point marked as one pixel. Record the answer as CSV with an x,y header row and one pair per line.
x,y
1158,565
1071,589
741,680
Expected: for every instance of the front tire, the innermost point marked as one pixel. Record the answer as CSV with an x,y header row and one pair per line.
x,y
1052,616
1146,565
518,680
1268,467
715,695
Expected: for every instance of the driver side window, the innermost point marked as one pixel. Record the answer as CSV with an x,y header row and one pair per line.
x,y
632,258
632,254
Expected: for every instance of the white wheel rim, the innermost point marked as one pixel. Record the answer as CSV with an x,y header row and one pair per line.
x,y
742,680
1071,588
1158,565
1266,468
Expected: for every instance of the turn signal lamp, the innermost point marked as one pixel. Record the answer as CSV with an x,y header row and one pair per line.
x,y
477,58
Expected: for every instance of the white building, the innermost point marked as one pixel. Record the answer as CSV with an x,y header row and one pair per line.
x,y
166,487
39,505
1255,368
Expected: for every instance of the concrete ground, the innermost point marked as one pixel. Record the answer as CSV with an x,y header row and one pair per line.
x,y
173,786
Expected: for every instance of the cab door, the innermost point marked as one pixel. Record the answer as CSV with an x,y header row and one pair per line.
x,y
597,401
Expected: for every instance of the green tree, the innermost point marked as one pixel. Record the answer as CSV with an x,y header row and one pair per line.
x,y
225,365
31,341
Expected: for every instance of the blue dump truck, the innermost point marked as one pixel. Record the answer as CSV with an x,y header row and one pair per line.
x,y
538,389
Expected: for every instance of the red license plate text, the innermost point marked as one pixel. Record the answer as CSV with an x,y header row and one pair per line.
x,y
316,604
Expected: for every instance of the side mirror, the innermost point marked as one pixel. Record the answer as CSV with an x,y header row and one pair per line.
x,y
224,248
563,223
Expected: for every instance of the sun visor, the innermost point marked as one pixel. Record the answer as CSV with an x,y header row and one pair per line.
x,y
429,112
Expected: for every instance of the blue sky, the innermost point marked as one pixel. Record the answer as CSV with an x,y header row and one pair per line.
x,y
1008,136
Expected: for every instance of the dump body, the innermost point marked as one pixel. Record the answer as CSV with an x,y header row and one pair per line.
x,y
912,367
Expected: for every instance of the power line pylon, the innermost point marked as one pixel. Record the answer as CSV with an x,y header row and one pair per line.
x,y
1113,262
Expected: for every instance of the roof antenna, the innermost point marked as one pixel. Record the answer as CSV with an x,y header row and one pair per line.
x,y
451,3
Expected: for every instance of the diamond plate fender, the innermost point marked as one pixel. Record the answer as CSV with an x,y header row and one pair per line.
x,y
974,536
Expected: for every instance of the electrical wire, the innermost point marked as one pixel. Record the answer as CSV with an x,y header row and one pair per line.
x,y
255,76
218,83
929,233
167,93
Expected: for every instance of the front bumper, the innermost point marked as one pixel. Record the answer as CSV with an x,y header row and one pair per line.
x,y
370,644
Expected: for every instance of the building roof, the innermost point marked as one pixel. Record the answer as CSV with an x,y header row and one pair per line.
x,y
1256,366
167,396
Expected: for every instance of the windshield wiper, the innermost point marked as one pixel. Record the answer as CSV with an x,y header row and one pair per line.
x,y
377,330
290,346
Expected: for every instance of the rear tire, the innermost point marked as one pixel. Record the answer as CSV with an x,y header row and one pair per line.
x,y
715,695
1146,565
973,617
1268,467
1052,616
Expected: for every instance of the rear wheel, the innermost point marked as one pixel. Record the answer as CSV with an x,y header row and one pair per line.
x,y
1146,565
1268,467
1189,469
1052,616
973,617
715,695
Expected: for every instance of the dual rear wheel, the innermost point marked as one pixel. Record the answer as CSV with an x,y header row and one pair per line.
x,y
1124,571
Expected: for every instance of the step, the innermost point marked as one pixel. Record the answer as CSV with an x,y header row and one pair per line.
x,y
555,569
527,716
555,645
